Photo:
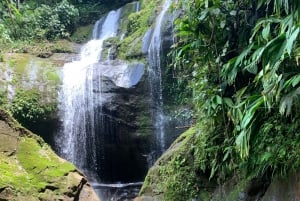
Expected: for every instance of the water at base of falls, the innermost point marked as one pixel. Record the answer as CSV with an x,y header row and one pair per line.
x,y
117,191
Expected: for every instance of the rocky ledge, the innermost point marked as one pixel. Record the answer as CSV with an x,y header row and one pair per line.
x,y
31,171
174,177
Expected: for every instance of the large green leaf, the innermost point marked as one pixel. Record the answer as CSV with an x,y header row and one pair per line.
x,y
291,40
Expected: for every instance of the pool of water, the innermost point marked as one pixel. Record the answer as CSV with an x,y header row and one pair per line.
x,y
117,191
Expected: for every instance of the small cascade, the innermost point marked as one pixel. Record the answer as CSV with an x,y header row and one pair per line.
x,y
80,101
8,77
137,6
155,78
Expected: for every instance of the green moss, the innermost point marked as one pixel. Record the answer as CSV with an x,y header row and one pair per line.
x,y
82,34
61,46
3,95
24,66
138,24
126,11
32,77
53,76
11,174
174,176
34,167
131,47
30,170
239,187
231,189
21,64
38,158
1,57
144,121
29,107
110,45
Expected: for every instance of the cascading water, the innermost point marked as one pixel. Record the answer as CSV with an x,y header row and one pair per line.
x,y
80,106
91,121
88,129
137,7
8,76
155,78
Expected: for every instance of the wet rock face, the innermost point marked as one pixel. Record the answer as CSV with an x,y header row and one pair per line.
x,y
27,74
125,131
30,170
167,32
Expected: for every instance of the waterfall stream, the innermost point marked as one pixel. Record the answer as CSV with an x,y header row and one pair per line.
x,y
88,128
80,107
155,78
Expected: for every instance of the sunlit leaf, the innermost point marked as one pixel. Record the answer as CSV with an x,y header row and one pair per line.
x,y
291,40
266,32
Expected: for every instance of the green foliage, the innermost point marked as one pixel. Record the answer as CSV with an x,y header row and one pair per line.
x,y
58,22
242,67
82,34
3,97
49,20
4,35
271,58
27,107
1,58
138,23
275,146
42,22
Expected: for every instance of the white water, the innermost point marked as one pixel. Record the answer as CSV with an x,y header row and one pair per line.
x,y
8,77
137,7
81,99
78,100
155,79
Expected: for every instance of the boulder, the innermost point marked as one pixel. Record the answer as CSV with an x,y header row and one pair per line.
x,y
30,170
173,176
284,189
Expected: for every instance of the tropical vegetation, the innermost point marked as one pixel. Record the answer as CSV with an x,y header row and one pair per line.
x,y
240,61
235,62
48,20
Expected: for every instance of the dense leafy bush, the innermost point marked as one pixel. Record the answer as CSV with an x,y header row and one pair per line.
x,y
4,35
242,66
58,22
27,107
42,22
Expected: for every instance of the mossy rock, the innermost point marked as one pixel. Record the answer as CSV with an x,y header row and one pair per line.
x,y
126,11
137,25
174,177
82,34
43,49
30,170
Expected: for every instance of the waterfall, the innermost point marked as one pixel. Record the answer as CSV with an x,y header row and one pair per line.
x,y
155,77
137,7
100,107
80,100
8,77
